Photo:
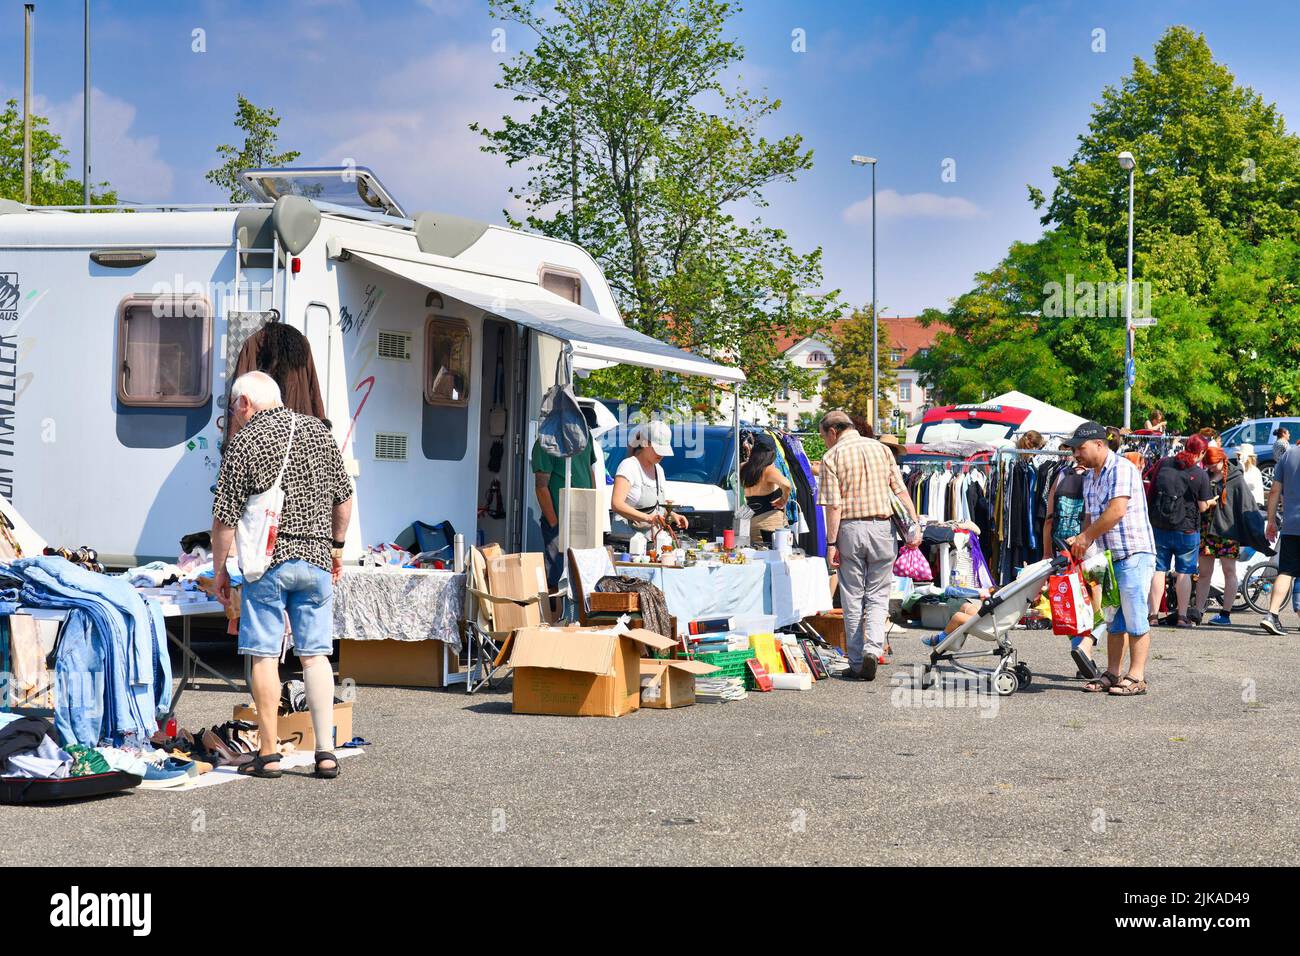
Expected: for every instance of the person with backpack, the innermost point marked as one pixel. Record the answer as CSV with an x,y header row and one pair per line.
x,y
1180,491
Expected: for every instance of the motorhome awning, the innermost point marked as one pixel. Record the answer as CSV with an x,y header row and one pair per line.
x,y
592,335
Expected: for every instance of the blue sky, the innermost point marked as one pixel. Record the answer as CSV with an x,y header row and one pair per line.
x,y
1001,89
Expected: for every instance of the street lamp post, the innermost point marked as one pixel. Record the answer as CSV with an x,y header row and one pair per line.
x,y
875,322
1127,162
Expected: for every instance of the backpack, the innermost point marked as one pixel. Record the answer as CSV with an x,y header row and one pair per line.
x,y
1170,488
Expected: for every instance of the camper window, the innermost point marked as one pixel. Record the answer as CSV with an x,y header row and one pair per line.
x,y
163,350
566,285
446,366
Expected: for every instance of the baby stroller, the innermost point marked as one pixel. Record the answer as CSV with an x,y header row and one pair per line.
x,y
998,614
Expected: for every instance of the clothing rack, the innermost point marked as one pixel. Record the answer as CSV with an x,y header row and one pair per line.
x,y
1007,551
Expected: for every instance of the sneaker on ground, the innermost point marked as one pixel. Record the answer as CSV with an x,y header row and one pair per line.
x,y
1220,620
156,778
1272,625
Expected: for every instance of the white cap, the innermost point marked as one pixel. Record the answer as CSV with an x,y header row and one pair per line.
x,y
654,435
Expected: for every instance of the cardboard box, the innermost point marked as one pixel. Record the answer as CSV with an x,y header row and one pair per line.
x,y
296,728
579,672
395,663
669,684
520,577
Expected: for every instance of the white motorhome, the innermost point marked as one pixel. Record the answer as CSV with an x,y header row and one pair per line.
x,y
434,338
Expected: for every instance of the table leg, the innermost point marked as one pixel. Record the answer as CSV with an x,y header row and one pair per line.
x,y
188,661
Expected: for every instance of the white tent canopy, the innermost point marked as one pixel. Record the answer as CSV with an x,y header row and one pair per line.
x,y
1042,416
593,336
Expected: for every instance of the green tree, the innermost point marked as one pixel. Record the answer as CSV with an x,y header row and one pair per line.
x,y
50,183
848,377
1216,222
259,127
637,149
1215,163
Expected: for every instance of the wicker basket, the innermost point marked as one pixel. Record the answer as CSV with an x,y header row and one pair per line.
x,y
613,601
830,626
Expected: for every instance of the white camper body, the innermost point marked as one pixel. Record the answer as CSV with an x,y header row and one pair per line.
x,y
387,305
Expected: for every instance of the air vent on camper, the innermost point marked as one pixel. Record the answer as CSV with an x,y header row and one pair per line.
x,y
394,345
390,446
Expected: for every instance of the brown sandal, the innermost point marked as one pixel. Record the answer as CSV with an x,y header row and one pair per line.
x,y
1102,684
1128,687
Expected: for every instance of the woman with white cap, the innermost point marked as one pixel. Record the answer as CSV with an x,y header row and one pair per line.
x,y
638,494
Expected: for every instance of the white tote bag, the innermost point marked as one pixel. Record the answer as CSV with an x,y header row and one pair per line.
x,y
259,525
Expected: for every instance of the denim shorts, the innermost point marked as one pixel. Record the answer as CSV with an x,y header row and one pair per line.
x,y
302,591
1179,548
1134,578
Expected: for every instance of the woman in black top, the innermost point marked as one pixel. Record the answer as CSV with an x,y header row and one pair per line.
x,y
766,489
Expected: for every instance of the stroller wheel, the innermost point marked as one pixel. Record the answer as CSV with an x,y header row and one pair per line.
x,y
1024,675
1005,683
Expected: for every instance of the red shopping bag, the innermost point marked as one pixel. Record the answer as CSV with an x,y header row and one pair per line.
x,y
1068,597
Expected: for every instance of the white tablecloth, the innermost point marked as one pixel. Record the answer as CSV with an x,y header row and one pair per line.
x,y
800,588
790,590
372,604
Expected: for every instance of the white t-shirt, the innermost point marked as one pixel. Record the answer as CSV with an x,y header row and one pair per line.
x,y
642,492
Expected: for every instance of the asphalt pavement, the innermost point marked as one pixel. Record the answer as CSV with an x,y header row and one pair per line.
x,y
1201,771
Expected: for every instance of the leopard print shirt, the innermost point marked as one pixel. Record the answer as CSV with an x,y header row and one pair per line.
x,y
314,481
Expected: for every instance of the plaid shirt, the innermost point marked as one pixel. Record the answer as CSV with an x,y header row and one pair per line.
x,y
1119,478
857,476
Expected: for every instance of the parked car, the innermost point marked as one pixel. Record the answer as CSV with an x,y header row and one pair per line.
x,y
1259,433
969,423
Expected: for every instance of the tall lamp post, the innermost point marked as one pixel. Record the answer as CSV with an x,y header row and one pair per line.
x,y
1126,162
875,322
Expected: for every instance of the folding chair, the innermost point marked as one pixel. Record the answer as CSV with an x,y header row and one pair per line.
x,y
483,637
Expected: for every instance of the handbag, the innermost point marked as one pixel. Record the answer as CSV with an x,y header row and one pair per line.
x,y
911,563
1072,613
259,525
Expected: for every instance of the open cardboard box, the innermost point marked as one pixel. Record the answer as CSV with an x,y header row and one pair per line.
x,y
296,728
521,578
669,684
578,671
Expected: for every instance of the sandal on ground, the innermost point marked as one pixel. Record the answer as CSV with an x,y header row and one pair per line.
x,y
1087,667
1100,685
1128,687
257,766
326,773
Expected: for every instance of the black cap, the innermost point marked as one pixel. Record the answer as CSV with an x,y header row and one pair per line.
x,y
1085,432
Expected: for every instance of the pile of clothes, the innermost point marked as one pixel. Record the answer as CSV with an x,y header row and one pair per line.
x,y
112,668
30,750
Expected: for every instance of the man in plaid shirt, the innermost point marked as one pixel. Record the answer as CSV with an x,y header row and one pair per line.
x,y
1115,517
857,477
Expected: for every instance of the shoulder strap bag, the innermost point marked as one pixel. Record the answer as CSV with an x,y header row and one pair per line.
x,y
259,525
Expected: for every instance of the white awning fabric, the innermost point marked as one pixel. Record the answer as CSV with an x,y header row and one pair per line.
x,y
592,335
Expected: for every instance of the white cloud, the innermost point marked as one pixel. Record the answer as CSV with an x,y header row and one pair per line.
x,y
414,132
119,154
896,205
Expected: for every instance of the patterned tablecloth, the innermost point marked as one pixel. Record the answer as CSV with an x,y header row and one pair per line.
x,y
372,604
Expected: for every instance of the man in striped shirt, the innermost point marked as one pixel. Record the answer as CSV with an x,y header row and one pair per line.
x,y
857,476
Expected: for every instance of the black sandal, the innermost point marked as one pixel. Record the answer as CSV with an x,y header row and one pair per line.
x,y
257,766
326,773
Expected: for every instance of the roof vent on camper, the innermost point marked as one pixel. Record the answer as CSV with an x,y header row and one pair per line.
x,y
390,446
394,345
355,187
